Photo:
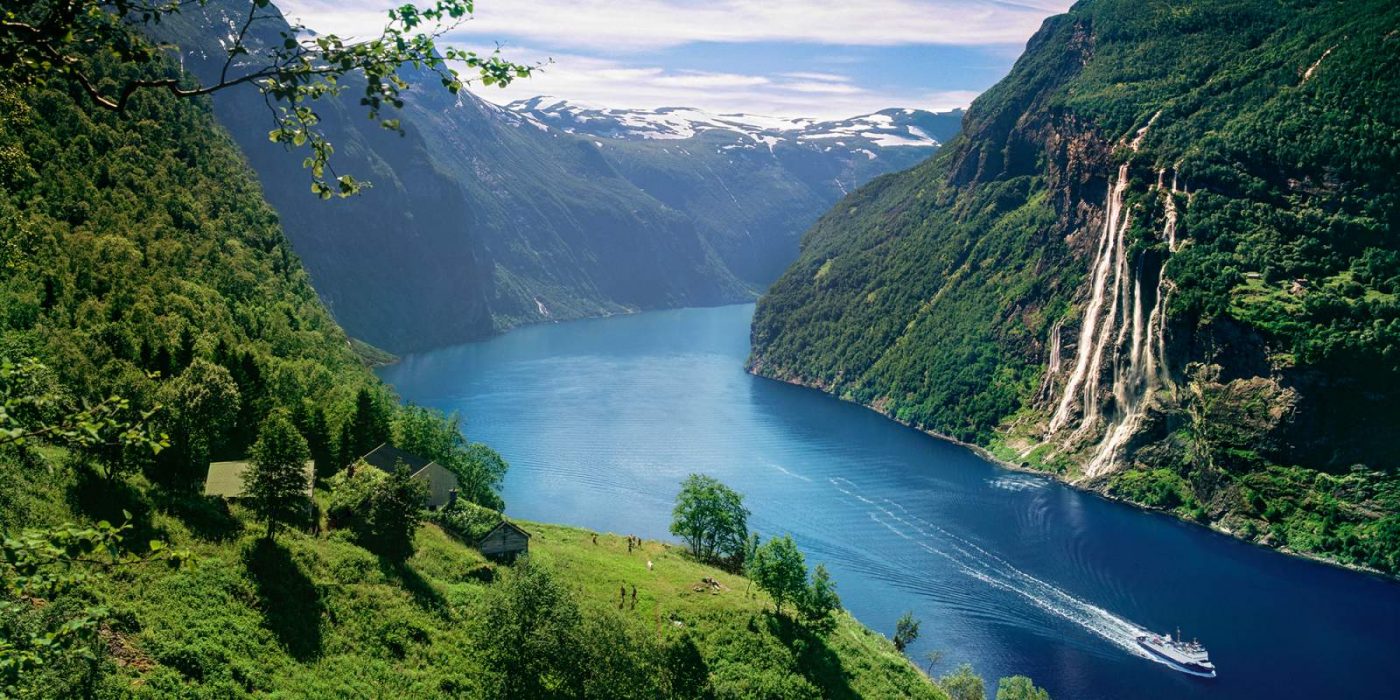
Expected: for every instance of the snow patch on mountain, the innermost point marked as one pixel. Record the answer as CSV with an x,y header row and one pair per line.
x,y
890,128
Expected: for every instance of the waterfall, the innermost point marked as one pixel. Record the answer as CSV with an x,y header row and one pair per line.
x,y
1089,349
1122,335
1135,382
1169,227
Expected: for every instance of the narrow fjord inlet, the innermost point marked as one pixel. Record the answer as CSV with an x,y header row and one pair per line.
x,y
680,350
1012,572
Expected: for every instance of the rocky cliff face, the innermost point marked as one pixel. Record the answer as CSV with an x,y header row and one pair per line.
x,y
1159,261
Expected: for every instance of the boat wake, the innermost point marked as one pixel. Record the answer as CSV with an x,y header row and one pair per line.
x,y
995,571
1018,482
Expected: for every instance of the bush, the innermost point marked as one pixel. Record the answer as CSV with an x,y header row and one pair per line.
x,y
383,511
468,521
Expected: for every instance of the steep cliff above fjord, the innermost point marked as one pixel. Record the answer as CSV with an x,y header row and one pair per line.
x,y
1160,260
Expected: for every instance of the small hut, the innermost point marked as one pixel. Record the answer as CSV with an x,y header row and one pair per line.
x,y
506,541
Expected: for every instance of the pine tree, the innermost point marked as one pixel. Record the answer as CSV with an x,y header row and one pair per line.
x,y
277,482
370,425
346,445
318,440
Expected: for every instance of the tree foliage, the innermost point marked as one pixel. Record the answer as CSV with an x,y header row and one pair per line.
x,y
32,407
204,402
40,564
906,630
536,643
779,569
382,510
711,518
53,40
396,509
367,428
1020,688
277,481
479,469
819,600
963,684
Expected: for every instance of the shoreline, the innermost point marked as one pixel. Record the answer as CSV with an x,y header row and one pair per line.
x,y
498,332
987,455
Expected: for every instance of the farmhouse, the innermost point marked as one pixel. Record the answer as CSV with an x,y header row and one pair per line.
x,y
225,479
441,482
506,541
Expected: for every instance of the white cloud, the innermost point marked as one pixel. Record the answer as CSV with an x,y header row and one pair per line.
x,y
826,77
620,25
696,79
600,81
828,88
595,46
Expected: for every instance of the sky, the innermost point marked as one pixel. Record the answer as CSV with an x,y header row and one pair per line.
x,y
787,58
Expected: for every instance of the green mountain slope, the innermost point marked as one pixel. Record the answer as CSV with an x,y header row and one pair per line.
x,y
139,258
135,247
1161,260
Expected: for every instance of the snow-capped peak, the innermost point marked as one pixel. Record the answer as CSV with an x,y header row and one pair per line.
x,y
886,128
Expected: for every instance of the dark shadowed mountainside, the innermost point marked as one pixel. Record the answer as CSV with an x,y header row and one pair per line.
x,y
510,219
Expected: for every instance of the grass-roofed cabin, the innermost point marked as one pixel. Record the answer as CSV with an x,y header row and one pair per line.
x,y
505,542
226,479
442,483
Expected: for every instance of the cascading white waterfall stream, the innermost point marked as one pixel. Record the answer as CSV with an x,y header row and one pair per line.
x,y
1135,383
1104,261
1121,326
1169,227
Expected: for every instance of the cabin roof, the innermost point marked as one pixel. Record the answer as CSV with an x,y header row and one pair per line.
x,y
505,524
386,458
226,479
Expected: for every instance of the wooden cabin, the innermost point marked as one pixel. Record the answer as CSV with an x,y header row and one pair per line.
x,y
440,481
505,542
226,479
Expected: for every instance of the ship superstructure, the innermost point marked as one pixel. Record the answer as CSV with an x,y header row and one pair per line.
x,y
1187,656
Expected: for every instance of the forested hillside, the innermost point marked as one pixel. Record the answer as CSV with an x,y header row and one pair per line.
x,y
1161,261
153,319
503,221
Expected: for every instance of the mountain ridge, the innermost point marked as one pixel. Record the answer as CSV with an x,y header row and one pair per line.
x,y
889,127
502,223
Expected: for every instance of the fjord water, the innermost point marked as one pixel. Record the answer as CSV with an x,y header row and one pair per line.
x,y
1014,573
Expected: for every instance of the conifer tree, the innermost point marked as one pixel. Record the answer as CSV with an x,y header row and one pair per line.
x,y
277,482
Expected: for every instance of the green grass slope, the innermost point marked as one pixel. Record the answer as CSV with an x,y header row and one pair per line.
x,y
319,616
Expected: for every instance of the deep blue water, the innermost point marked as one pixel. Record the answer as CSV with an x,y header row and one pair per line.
x,y
600,421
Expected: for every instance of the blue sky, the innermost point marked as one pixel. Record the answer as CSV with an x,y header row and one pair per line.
x,y
792,58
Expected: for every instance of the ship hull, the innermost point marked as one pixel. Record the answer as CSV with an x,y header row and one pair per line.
x,y
1183,666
